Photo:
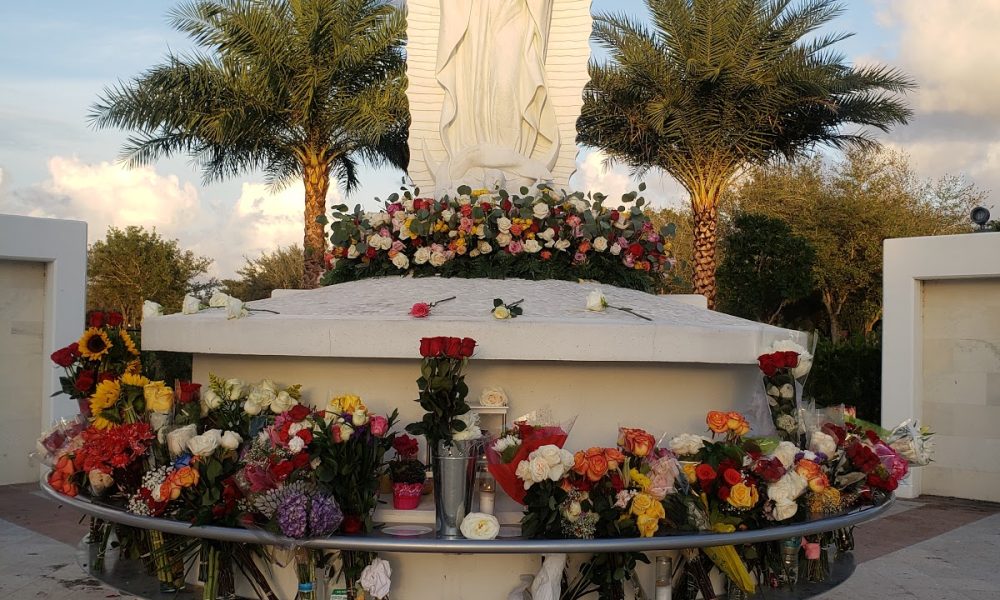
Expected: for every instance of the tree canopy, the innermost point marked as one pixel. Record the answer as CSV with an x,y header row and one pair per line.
x,y
300,89
279,269
714,86
131,265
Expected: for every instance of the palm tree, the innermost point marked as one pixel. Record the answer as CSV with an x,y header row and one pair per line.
x,y
715,86
295,88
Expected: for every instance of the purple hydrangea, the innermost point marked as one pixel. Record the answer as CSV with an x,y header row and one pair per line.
x,y
293,515
325,516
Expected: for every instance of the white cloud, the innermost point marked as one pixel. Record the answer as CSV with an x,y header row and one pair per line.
x,y
106,194
592,176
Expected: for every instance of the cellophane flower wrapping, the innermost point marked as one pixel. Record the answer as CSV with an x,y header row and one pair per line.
x,y
532,432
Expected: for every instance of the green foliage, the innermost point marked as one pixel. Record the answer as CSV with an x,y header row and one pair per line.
x,y
846,210
132,265
280,269
849,372
765,268
442,396
681,243
408,470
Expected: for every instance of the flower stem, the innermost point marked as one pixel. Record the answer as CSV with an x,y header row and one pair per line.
x,y
630,311
436,302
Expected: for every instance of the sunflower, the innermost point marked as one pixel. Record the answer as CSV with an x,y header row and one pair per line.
x,y
134,379
94,344
129,344
105,396
134,367
102,423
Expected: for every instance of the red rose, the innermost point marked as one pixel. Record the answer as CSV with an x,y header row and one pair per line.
x,y
506,205
188,392
732,477
95,318
283,469
300,460
466,210
705,474
617,483
767,364
723,493
788,359
468,347
115,318
425,347
84,381
351,524
64,357
453,347
635,249
306,435
299,412
371,252
486,206
420,310
614,215
405,446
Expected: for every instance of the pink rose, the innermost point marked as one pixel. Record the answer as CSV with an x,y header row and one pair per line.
x,y
420,310
394,208
379,425
515,247
397,246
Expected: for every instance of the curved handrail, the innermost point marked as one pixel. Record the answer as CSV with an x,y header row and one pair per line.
x,y
381,542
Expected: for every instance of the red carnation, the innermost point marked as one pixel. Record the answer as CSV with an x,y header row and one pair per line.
x,y
405,446
283,469
95,318
115,319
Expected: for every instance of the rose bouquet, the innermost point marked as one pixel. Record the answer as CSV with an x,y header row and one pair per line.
x,y
239,406
785,366
505,452
540,235
443,390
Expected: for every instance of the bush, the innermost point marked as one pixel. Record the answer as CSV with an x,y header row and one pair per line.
x,y
849,372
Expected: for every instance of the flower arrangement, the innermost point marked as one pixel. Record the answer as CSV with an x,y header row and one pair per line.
x,y
543,234
506,452
407,473
785,366
443,389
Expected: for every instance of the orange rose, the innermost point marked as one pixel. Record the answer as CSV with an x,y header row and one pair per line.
x,y
717,421
597,467
743,429
807,469
819,483
185,476
580,463
635,441
594,451
614,457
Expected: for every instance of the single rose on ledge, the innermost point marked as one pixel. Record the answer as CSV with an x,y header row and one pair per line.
x,y
597,302
480,526
423,309
502,310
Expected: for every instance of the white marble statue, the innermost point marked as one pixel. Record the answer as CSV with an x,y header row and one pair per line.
x,y
495,90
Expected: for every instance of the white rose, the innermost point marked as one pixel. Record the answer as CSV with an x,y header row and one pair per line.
x,y
191,305
218,300
438,259
787,391
601,244
252,408
352,252
235,308
177,440
503,239
523,472
789,487
507,441
262,394
562,245
408,204
567,458
503,224
422,255
687,444
573,511
551,453
547,234
359,418
501,312
484,247
401,261
376,578
282,401
540,210
296,444
823,442
230,440
596,301
539,469
480,526
210,400
784,509
785,452
464,199
579,205
616,249
805,358
773,391
532,246
151,309
234,387
493,396
787,423
206,443
447,214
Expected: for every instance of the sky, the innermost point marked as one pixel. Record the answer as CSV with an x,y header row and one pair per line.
x,y
59,55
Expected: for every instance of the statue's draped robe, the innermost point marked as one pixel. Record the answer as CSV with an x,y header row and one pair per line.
x,y
491,64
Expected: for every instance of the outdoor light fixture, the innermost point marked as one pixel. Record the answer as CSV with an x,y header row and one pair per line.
x,y
980,216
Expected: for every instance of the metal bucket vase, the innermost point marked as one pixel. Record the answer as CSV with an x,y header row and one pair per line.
x,y
454,469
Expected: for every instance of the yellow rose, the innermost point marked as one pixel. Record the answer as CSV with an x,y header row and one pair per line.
x,y
723,528
346,404
642,503
647,525
656,511
742,495
640,480
159,397
690,472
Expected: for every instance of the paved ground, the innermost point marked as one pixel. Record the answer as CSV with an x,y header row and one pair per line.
x,y
926,549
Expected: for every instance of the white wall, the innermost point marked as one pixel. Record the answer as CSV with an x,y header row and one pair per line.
x,y
957,271
61,246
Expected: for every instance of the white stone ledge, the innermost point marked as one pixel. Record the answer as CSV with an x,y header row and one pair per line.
x,y
368,319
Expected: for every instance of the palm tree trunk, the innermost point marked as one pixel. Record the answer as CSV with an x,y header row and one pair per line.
x,y
706,221
316,176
